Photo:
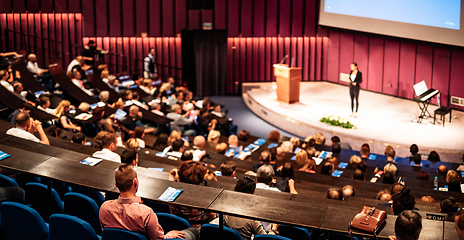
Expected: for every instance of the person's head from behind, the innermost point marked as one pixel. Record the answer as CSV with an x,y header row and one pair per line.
x,y
327,168
265,174
187,155
442,170
434,157
213,136
135,95
403,201
365,151
384,195
265,157
413,149
301,157
396,188
422,175
336,148
199,141
178,145
320,139
79,138
417,159
162,139
427,199
287,171
335,139
408,225
355,160
126,179
133,111
452,176
333,160
358,175
110,141
104,96
192,172
132,143
139,132
362,166
459,224
243,135
348,191
295,141
273,154
334,193
274,136
390,154
22,120
18,88
390,169
449,205
233,141
245,185
221,148
130,156
228,169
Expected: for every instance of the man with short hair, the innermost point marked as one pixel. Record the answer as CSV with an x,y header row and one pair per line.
x,y
149,65
442,170
26,126
402,201
44,105
132,120
109,144
408,226
130,157
365,153
334,193
33,67
73,63
128,212
390,154
228,169
180,121
417,160
327,168
78,138
348,191
177,148
265,175
199,142
450,207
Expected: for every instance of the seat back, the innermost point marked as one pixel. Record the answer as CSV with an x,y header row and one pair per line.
x,y
270,237
22,222
121,234
171,222
7,182
38,196
91,193
212,232
294,232
83,207
69,227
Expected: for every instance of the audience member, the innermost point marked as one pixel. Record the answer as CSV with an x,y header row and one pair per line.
x,y
403,201
109,143
193,173
355,160
210,176
396,188
44,105
63,120
128,212
362,166
132,143
459,224
408,226
365,151
334,193
213,136
132,120
265,175
295,142
177,148
327,168
434,157
333,160
442,170
450,207
287,171
246,227
427,199
174,136
336,149
4,80
221,148
79,138
274,136
161,142
130,157
181,122
199,142
287,146
348,191
228,169
33,66
422,175
358,175
138,134
320,139
417,160
452,178
390,154
26,127
243,135
384,195
335,139
413,149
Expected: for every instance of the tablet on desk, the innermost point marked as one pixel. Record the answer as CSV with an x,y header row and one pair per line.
x,y
337,173
120,114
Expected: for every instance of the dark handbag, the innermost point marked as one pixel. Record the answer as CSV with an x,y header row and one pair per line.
x,y
368,220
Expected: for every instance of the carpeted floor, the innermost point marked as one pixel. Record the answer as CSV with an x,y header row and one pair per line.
x,y
245,119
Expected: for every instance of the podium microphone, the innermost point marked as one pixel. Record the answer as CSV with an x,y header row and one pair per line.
x,y
283,59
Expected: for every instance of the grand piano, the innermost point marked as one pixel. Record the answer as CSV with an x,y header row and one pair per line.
x,y
423,98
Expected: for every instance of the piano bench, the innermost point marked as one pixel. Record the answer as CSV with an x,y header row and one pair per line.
x,y
442,111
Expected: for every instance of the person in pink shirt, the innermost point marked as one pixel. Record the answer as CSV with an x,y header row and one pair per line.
x,y
128,212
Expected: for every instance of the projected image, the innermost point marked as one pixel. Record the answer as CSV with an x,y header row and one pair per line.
x,y
434,13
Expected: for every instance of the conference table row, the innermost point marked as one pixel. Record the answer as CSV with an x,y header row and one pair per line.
x,y
320,214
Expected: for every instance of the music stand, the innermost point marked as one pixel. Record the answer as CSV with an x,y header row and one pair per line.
x,y
419,89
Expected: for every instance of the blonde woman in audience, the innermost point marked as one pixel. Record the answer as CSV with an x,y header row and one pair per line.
x,y
146,85
62,120
355,160
301,158
452,176
295,142
132,143
287,146
173,137
320,139
274,136
213,136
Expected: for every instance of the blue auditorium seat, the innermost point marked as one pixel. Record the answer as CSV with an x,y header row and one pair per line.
x,y
212,232
22,222
7,181
294,232
38,196
83,207
171,222
270,237
121,234
69,227
91,193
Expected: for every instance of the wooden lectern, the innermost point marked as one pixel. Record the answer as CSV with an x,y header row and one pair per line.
x,y
288,83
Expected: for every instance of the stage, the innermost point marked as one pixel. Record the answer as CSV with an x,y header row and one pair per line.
x,y
382,120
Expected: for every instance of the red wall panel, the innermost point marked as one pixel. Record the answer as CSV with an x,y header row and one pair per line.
x,y
272,18
246,20
306,58
115,28
333,57
89,17
181,15
128,18
424,64
168,18
346,52
456,72
194,19
407,69
220,14
297,18
391,67
375,65
141,17
233,18
259,24
361,56
441,73
285,16
101,18
154,17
